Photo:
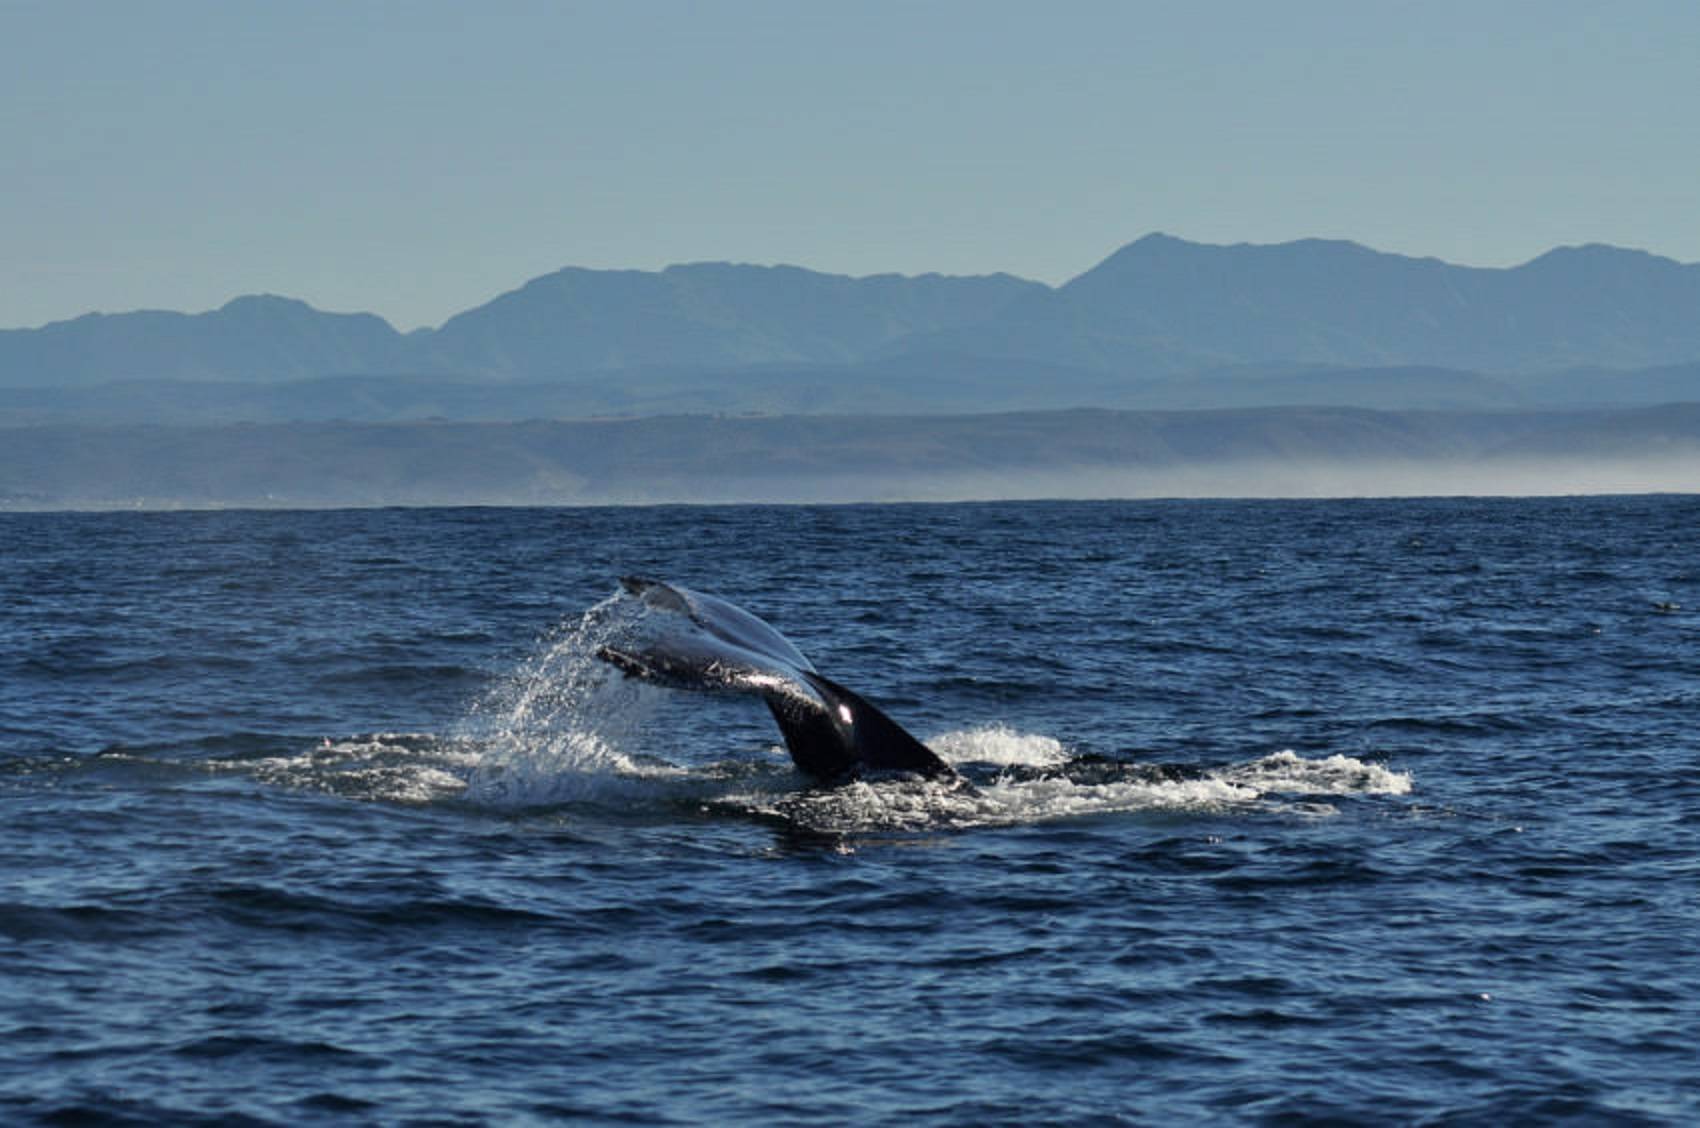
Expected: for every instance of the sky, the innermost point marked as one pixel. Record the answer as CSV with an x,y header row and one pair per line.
x,y
418,158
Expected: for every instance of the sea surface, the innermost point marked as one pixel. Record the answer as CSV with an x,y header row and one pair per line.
x,y
1351,811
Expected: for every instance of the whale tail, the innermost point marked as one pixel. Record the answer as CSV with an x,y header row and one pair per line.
x,y
706,643
849,736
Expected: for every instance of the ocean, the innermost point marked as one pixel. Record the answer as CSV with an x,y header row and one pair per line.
x,y
1369,811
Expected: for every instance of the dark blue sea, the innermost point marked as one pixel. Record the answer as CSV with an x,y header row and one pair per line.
x,y
1348,811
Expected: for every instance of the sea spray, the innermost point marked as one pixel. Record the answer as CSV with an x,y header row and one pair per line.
x,y
560,727
1000,745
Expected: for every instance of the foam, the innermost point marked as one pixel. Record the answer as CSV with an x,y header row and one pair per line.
x,y
386,767
999,745
1288,772
1268,784
887,806
565,728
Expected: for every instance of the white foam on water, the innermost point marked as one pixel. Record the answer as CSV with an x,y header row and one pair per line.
x,y
1286,772
999,745
1048,798
566,727
908,805
1284,782
385,767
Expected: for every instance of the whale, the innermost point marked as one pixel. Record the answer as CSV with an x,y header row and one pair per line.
x,y
696,641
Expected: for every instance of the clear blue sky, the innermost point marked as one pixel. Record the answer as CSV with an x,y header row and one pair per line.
x,y
417,158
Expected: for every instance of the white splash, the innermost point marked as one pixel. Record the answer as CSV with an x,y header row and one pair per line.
x,y
567,728
556,729
1001,746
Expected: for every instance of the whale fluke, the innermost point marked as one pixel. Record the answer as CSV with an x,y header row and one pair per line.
x,y
707,643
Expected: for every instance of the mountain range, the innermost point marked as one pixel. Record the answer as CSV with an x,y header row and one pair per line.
x,y
1161,323
1170,368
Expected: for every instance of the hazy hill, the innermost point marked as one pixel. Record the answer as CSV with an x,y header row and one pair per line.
x,y
709,315
1160,323
1164,304
570,323
259,338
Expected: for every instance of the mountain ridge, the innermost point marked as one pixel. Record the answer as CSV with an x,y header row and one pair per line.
x,y
1158,309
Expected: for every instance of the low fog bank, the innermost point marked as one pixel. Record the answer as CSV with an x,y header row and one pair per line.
x,y
1207,479
1271,453
1244,480
1235,479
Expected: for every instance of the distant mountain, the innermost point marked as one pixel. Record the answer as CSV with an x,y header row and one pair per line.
x,y
1164,303
570,323
705,315
1160,323
251,339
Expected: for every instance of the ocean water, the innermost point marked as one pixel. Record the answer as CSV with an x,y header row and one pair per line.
x,y
1357,811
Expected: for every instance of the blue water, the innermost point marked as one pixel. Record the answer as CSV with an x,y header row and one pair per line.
x,y
1371,811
